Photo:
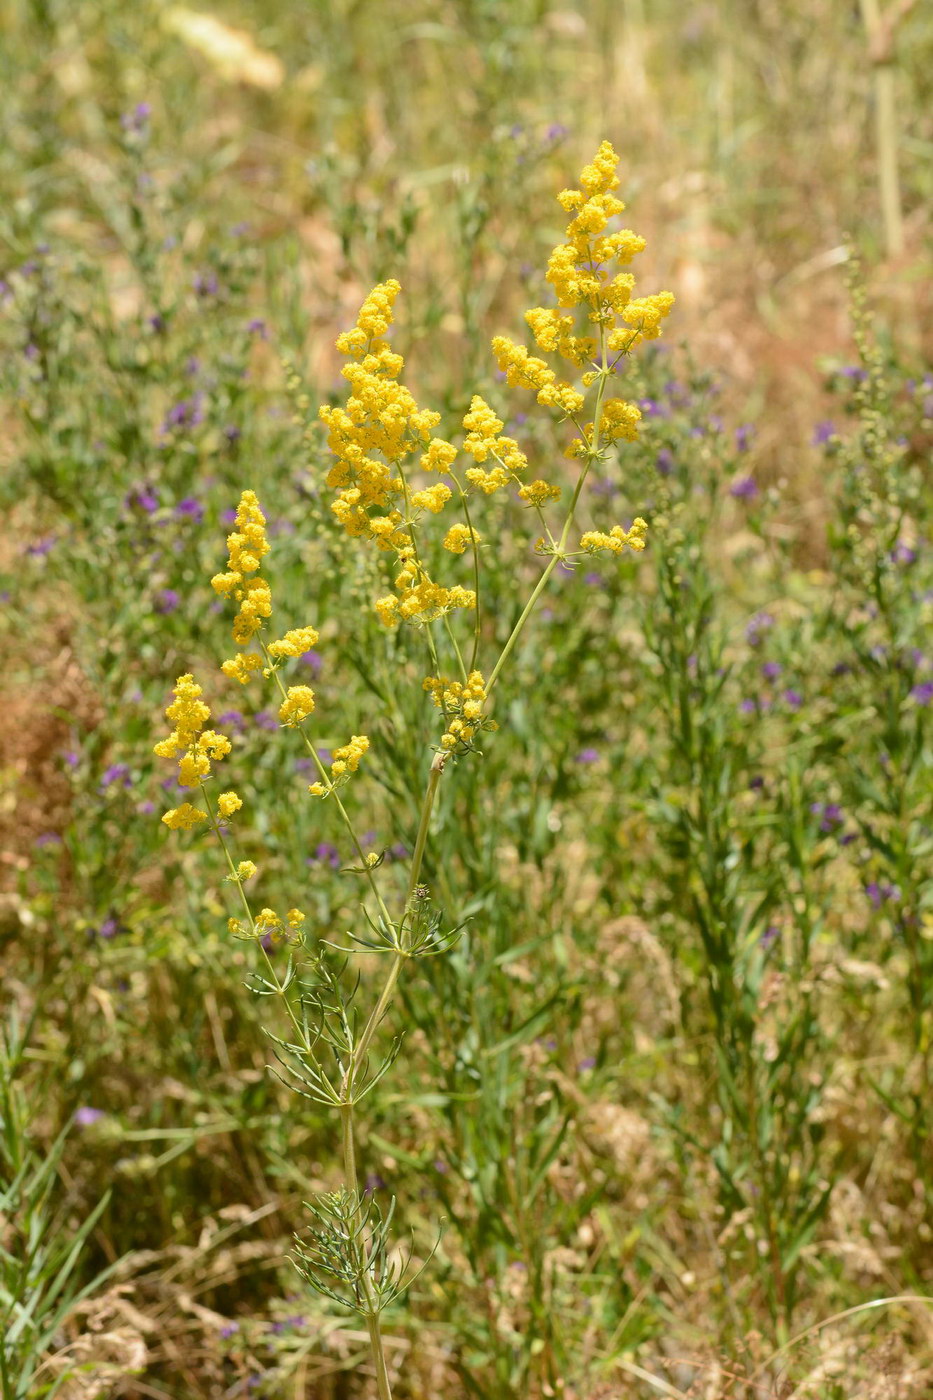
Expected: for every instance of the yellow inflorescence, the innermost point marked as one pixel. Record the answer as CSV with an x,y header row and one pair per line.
x,y
376,437
462,703
297,705
247,545
596,542
197,746
294,643
344,761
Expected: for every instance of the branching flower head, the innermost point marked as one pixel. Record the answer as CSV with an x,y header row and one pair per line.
x,y
197,748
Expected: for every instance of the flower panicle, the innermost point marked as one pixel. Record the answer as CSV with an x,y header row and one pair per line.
x,y
196,748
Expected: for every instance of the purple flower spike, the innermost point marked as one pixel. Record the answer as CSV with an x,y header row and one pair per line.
x,y
116,773
266,720
229,1329
664,462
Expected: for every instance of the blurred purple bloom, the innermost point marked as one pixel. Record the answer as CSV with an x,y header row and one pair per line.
x,y
232,719
233,434
599,486
137,119
42,547
266,720
167,600
771,670
587,756
325,854
374,1182
206,284
650,408
853,372
229,1329
744,489
664,462
588,1063
312,659
756,783
72,758
594,580
903,554
922,693
157,323
304,765
768,937
744,434
146,809
47,838
823,432
190,507
397,851
109,928
557,131
748,706
192,366
881,893
325,755
116,773
85,1117
142,496
830,815
187,413
228,517
258,327
762,622
793,698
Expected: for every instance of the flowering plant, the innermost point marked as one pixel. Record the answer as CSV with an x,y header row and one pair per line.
x,y
393,479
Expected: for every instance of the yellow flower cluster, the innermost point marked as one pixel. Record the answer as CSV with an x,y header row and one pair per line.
x,y
297,705
247,545
373,437
419,598
583,272
619,422
269,924
463,705
294,643
484,440
459,536
526,371
345,760
197,746
597,542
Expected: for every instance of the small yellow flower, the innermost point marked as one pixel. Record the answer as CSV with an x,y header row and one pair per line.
x,y
245,870
295,918
294,643
297,705
458,537
228,803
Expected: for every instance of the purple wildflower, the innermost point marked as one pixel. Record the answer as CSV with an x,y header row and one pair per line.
x,y
232,719
557,131
588,1063
304,765
137,119
756,783
206,284
903,554
266,720
258,327
86,1116
167,600
744,489
228,517
771,670
748,706
822,432
588,755
793,699
47,838
313,660
142,496
110,927
325,854
233,434
191,509
664,462
374,1182
744,434
145,809
42,547
922,693
594,580
770,935
854,372
762,622
157,323
830,815
229,1329
116,773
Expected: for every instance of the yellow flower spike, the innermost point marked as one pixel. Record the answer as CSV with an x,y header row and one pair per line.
x,y
245,870
242,666
228,803
297,705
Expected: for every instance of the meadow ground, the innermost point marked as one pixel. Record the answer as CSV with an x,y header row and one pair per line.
x,y
608,955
